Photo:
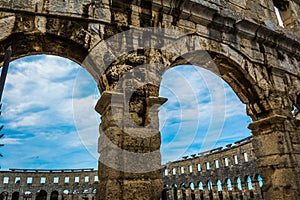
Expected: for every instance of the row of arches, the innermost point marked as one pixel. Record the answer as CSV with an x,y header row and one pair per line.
x,y
86,194
246,188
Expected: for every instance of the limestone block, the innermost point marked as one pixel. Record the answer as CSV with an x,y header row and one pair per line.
x,y
6,25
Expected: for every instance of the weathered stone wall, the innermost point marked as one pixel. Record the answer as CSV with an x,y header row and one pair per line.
x,y
259,60
240,163
83,188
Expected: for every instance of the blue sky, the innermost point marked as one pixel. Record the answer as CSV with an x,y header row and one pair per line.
x,y
49,118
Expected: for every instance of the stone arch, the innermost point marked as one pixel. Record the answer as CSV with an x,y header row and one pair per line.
x,y
165,192
15,196
192,189
27,195
4,195
200,188
41,195
175,191
30,35
228,187
258,178
220,189
65,194
54,195
33,44
179,9
248,182
237,70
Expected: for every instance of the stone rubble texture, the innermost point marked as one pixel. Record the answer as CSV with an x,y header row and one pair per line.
x,y
251,52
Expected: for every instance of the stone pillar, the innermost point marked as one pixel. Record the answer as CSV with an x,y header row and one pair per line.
x,y
235,189
215,191
188,193
256,189
60,196
197,192
244,190
275,141
207,192
129,145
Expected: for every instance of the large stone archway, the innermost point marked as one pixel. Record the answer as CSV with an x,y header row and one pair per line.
x,y
259,60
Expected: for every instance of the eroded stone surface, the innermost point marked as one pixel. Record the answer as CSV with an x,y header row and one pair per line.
x,y
244,44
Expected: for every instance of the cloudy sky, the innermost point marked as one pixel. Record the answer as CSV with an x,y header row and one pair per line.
x,y
49,118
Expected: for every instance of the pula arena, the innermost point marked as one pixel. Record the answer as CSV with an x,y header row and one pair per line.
x,y
128,45
221,173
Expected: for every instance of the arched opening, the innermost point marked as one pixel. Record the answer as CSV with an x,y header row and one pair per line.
x,y
15,196
4,195
175,191
41,195
192,189
202,110
220,190
201,189
210,189
183,191
75,195
85,194
259,180
240,188
27,195
49,103
65,195
54,195
165,192
229,188
246,90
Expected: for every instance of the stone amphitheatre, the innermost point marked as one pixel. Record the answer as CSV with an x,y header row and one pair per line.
x,y
127,46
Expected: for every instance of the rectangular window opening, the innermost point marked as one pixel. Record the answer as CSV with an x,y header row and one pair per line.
x,y
17,180
55,180
226,162
279,19
43,180
29,180
217,164
182,170
67,179
199,167
174,171
236,161
246,157
207,166
5,180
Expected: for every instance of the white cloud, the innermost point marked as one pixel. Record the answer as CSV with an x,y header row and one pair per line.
x,y
203,107
50,102
10,141
38,101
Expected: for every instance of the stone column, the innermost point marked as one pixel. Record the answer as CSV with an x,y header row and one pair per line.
x,y
129,145
235,189
275,141
256,189
245,189
197,192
